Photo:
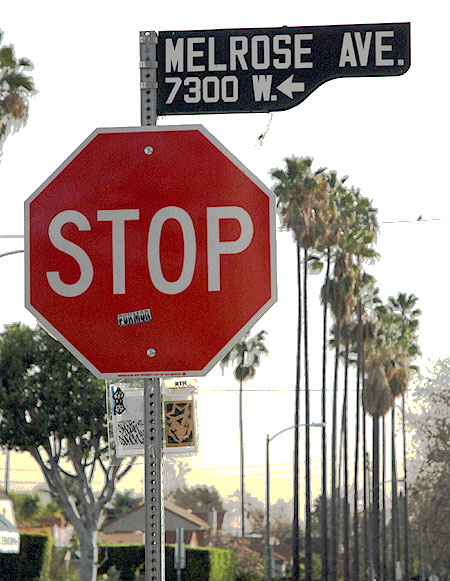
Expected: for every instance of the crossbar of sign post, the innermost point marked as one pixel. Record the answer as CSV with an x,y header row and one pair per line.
x,y
262,70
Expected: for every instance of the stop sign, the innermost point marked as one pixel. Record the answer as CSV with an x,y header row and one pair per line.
x,y
150,251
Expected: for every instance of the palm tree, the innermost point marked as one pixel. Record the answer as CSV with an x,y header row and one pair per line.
x,y
363,333
404,307
325,254
303,206
388,362
358,225
378,400
15,88
246,355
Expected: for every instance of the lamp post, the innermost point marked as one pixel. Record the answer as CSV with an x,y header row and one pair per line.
x,y
267,540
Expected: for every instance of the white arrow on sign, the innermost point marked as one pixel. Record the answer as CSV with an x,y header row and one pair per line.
x,y
289,87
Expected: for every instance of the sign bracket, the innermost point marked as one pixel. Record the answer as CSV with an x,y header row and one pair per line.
x,y
149,71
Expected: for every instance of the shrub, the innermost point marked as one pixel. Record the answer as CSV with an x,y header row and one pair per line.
x,y
32,563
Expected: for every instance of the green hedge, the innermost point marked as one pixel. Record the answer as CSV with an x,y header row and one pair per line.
x,y
223,564
203,564
126,559
32,563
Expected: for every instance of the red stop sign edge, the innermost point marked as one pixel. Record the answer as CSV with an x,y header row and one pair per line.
x,y
239,334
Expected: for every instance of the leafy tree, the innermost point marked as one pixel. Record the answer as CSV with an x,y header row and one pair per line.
x,y
174,474
281,521
249,563
428,423
198,498
122,503
52,509
255,515
16,86
53,408
27,507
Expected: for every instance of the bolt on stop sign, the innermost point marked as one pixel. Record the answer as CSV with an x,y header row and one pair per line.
x,y
150,251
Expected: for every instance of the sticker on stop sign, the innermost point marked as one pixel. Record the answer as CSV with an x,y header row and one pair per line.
x,y
150,251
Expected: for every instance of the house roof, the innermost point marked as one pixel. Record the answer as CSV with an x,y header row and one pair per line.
x,y
185,514
174,515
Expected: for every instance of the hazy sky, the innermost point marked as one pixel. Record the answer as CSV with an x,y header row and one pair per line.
x,y
388,134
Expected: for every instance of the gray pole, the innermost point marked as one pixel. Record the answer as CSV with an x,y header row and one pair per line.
x,y
422,568
154,511
7,469
268,548
268,552
149,79
153,457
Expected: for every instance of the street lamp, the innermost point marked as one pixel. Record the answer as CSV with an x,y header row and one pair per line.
x,y
267,543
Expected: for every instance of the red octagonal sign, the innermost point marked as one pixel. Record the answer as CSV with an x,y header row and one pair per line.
x,y
150,251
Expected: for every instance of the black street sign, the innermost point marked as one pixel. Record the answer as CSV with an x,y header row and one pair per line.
x,y
270,69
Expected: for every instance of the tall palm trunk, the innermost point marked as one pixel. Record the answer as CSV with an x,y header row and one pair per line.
x,y
375,520
346,507
308,547
383,503
334,432
295,522
324,503
356,568
368,554
393,502
405,507
366,498
396,546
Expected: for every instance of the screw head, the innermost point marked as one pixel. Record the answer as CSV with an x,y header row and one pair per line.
x,y
151,352
148,150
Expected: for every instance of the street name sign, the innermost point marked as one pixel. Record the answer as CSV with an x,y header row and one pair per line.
x,y
270,69
150,251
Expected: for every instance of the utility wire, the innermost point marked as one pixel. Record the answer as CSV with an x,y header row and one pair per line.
x,y
337,224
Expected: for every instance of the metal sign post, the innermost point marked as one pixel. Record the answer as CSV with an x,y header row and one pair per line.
x,y
153,457
148,65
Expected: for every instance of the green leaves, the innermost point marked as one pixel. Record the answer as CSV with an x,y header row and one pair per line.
x,y
45,392
395,343
16,86
336,222
246,355
198,498
302,199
